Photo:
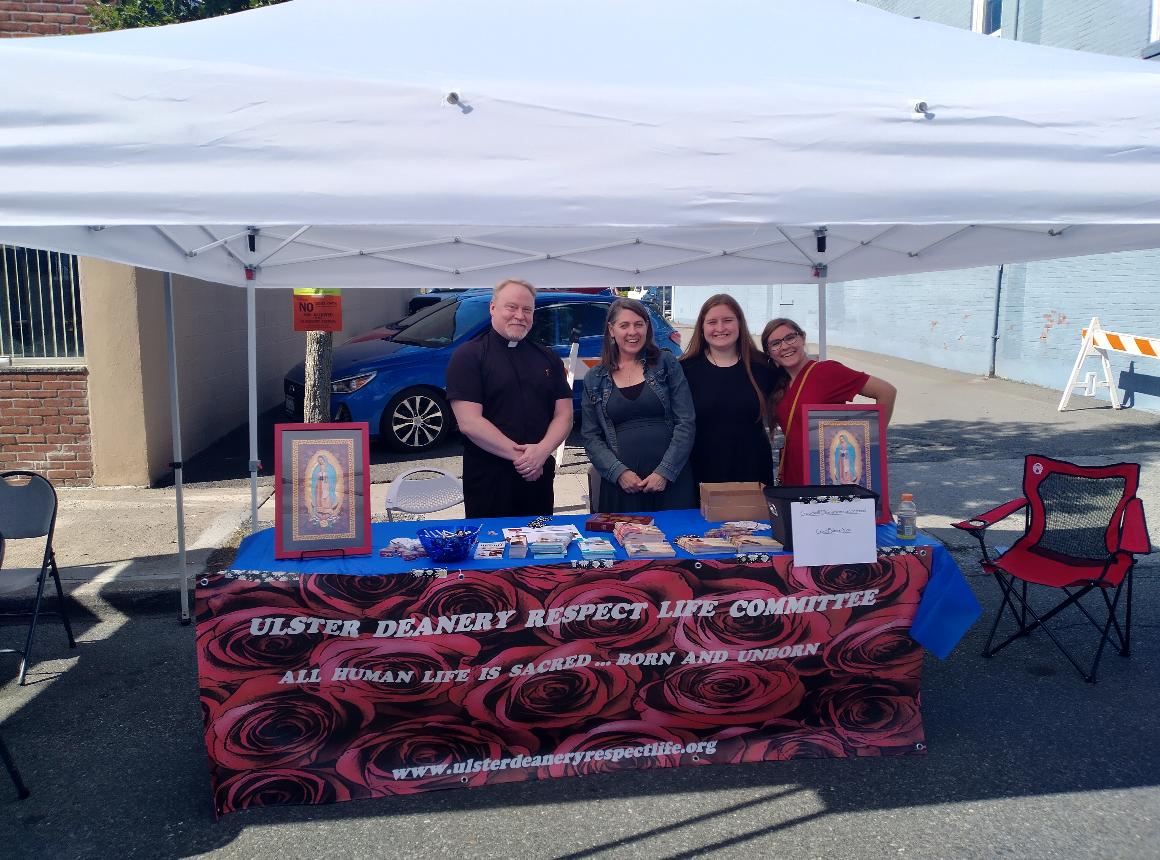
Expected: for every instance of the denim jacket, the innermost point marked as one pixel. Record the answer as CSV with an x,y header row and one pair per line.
x,y
667,381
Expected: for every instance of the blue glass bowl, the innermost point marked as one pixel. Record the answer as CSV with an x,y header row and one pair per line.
x,y
447,545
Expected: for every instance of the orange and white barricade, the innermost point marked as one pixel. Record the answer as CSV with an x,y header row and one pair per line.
x,y
1098,343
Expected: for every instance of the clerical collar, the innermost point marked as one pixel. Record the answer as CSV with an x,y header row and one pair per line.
x,y
510,344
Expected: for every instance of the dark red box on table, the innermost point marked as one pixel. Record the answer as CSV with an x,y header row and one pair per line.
x,y
607,522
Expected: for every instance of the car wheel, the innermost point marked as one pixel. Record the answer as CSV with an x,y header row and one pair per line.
x,y
415,420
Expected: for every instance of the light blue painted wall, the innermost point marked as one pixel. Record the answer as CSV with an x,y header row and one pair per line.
x,y
956,13
945,318
1119,27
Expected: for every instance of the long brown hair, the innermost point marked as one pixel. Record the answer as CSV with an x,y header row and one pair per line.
x,y
783,377
610,352
747,353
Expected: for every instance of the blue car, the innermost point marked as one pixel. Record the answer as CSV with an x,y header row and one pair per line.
x,y
398,384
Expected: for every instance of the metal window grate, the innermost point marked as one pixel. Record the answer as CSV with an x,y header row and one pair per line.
x,y
40,305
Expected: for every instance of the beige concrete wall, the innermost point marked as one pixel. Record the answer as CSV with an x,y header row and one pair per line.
x,y
117,306
211,350
127,354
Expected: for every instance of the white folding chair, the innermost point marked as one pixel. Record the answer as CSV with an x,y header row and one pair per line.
x,y
423,495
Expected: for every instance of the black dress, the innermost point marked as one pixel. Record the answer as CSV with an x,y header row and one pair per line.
x,y
643,435
731,442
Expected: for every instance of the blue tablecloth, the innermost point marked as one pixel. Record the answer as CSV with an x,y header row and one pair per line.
x,y
947,611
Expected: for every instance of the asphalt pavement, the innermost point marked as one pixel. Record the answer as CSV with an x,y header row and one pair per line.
x,y
1024,758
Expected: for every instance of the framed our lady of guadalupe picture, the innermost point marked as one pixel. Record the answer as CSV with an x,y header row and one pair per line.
x,y
321,490
846,444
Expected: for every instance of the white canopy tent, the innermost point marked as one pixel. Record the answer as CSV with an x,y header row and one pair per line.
x,y
413,143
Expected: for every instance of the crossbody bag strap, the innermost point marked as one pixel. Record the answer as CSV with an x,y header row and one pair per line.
x,y
790,422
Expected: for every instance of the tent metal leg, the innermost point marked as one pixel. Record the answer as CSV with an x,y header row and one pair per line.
x,y
176,465
821,321
252,390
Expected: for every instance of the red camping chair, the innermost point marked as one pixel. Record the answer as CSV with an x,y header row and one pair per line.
x,y
1084,525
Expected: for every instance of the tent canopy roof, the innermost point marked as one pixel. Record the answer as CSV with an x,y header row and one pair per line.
x,y
594,142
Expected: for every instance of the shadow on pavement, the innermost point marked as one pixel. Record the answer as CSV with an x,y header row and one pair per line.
x,y
228,459
112,749
936,440
112,746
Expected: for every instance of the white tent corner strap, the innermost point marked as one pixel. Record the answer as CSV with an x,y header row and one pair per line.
x,y
699,150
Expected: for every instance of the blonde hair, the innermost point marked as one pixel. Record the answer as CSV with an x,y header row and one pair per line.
x,y
499,287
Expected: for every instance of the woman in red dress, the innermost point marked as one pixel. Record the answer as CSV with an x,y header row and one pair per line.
x,y
811,381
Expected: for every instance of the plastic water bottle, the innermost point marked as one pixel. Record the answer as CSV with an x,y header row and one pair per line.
x,y
907,518
778,442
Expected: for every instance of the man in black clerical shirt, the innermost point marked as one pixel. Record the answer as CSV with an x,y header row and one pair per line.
x,y
513,404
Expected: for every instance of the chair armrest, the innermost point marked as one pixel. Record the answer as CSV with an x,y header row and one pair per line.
x,y
980,523
1134,529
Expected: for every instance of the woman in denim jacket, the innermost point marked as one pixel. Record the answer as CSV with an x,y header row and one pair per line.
x,y
638,420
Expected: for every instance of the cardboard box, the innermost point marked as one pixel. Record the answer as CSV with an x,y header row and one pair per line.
x,y
733,500
778,500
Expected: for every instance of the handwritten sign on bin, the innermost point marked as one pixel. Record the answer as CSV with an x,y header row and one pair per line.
x,y
838,532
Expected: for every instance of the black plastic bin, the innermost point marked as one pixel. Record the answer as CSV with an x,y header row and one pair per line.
x,y
779,498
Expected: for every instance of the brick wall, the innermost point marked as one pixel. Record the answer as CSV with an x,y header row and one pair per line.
x,y
44,423
42,19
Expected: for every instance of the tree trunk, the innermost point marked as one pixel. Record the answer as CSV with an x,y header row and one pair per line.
x,y
316,398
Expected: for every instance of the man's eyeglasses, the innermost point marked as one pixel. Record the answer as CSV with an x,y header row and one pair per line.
x,y
788,340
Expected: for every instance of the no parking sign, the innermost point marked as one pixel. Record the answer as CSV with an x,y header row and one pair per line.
x,y
317,310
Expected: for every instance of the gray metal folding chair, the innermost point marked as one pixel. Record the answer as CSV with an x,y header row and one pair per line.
x,y
28,510
9,762
423,495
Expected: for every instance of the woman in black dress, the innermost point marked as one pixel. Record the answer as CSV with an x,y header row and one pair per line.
x,y
638,421
730,379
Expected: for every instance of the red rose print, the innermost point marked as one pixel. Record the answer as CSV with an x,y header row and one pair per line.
x,y
778,740
262,725
389,672
478,591
344,596
425,753
372,725
897,578
229,652
543,578
871,718
721,694
211,697
551,699
878,644
726,631
222,593
279,787
646,631
623,734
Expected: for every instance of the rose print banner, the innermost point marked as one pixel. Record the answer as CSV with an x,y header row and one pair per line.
x,y
318,687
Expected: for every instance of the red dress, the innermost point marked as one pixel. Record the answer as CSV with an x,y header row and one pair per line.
x,y
828,382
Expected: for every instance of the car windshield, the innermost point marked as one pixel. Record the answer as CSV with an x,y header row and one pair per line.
x,y
449,321
411,319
